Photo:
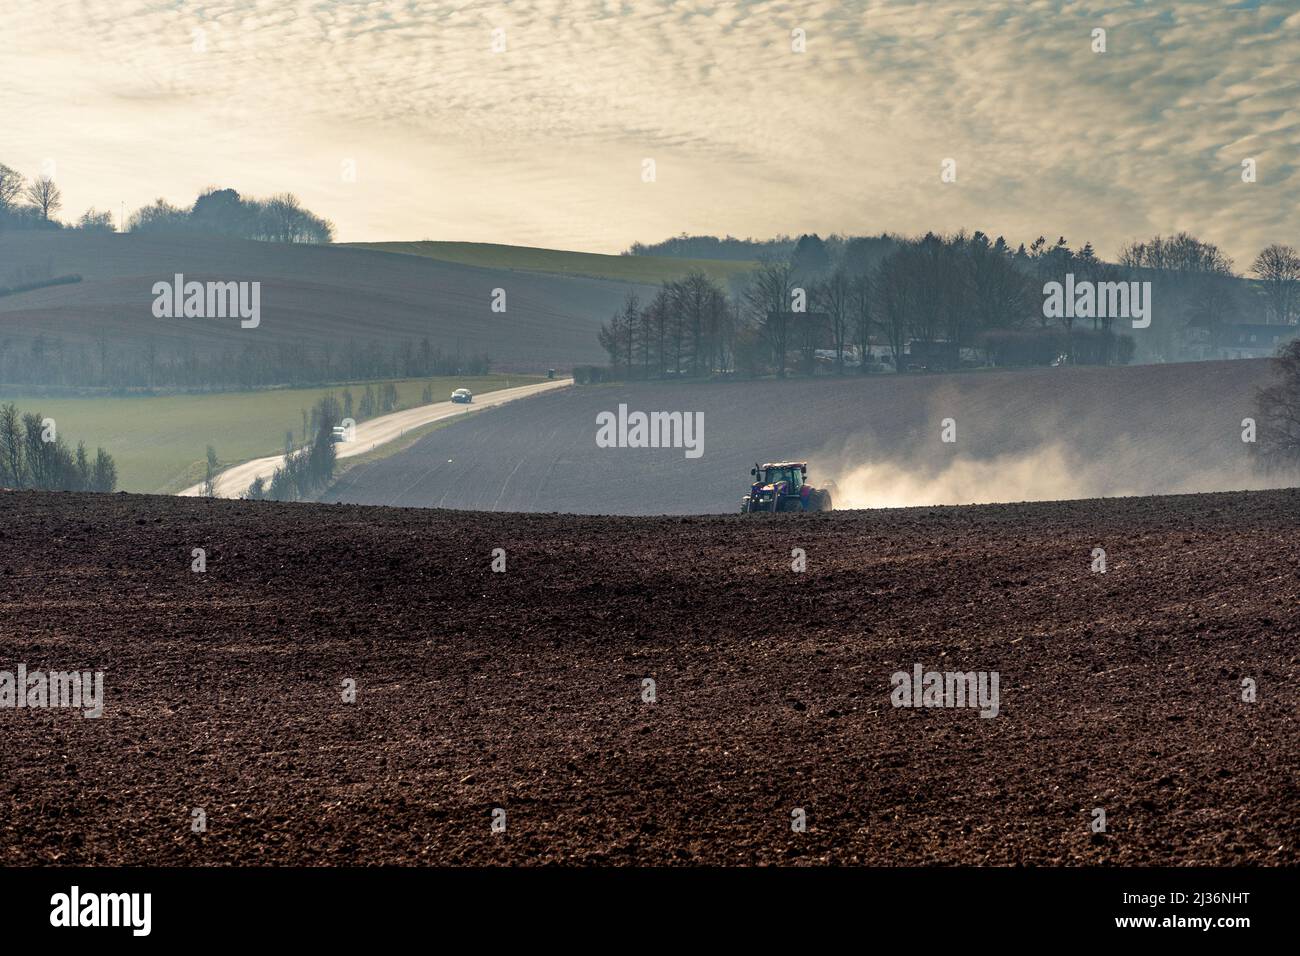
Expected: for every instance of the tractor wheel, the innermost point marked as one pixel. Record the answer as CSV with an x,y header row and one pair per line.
x,y
824,500
788,504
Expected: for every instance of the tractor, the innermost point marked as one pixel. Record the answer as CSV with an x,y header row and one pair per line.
x,y
783,486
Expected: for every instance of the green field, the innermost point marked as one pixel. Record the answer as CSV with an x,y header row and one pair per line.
x,y
160,442
648,269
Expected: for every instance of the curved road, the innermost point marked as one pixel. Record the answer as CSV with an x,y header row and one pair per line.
x,y
233,482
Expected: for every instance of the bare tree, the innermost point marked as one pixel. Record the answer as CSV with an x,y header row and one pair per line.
x,y
860,306
94,221
610,336
13,471
1279,412
768,300
210,477
1278,268
833,297
894,299
11,187
45,195
925,262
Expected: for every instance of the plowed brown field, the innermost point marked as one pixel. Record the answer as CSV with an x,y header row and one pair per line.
x,y
523,690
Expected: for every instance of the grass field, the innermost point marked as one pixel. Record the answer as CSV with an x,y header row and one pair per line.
x,y
649,269
160,442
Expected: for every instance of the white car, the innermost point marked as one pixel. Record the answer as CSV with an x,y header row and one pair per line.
x,y
462,396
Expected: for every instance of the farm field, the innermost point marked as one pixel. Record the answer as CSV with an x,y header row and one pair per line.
x,y
160,442
523,690
313,297
1019,435
640,269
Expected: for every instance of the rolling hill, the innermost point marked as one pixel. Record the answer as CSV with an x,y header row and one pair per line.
x,y
1020,435
644,269
312,296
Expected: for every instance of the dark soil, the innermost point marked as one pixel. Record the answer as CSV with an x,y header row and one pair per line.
x,y
522,690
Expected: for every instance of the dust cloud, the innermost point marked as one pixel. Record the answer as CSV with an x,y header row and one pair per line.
x,y
1046,473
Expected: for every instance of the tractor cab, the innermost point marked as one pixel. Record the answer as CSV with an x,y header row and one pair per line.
x,y
774,473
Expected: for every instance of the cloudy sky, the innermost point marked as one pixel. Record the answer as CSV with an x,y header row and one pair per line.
x,y
544,143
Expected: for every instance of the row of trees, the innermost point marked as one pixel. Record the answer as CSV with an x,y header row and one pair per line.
x,y
223,212
44,359
308,469
35,204
33,455
927,299
688,328
731,248
888,292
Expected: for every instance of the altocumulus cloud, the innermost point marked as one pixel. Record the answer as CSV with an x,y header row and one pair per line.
x,y
543,143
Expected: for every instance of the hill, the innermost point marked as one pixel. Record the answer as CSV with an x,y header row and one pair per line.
x,y
313,298
640,269
1020,435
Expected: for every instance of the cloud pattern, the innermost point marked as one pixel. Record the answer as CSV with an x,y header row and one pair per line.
x,y
544,142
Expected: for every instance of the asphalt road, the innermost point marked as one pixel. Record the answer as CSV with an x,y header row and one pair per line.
x,y
233,482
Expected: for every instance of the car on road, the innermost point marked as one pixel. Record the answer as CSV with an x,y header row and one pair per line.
x,y
462,396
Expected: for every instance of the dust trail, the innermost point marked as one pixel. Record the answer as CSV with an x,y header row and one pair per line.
x,y
1046,473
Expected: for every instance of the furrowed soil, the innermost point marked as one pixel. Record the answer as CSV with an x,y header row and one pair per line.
x,y
523,690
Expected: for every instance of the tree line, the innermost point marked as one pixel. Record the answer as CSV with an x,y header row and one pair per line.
x,y
43,359
925,301
33,455
35,204
223,212
308,469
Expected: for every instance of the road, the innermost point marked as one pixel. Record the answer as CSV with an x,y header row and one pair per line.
x,y
234,481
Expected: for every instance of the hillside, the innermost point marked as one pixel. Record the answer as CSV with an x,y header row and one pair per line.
x,y
641,269
1024,434
311,296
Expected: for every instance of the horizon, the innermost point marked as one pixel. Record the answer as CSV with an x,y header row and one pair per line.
x,y
399,122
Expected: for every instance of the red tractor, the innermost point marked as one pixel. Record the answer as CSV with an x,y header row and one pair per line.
x,y
783,486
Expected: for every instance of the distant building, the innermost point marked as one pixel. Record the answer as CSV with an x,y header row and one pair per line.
x,y
1239,341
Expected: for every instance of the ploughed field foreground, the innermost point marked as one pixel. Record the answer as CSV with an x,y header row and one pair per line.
x,y
524,690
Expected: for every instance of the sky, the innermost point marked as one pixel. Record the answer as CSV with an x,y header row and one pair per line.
x,y
531,121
